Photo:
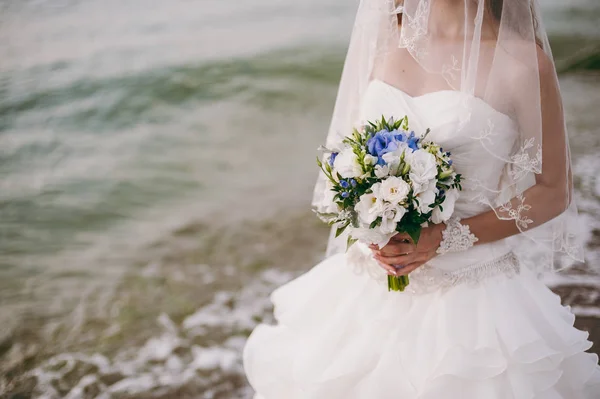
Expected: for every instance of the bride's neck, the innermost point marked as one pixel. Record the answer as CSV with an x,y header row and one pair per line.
x,y
448,18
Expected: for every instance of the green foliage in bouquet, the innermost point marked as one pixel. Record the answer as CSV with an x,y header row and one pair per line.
x,y
361,165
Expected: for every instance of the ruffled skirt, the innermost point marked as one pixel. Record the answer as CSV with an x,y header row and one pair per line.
x,y
342,335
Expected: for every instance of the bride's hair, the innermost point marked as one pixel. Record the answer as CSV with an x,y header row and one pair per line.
x,y
494,9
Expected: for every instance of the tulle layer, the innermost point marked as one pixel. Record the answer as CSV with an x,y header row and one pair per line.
x,y
340,335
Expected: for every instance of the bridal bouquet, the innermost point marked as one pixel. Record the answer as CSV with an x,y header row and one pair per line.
x,y
384,180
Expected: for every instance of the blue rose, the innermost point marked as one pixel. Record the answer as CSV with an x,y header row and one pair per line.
x,y
345,194
344,183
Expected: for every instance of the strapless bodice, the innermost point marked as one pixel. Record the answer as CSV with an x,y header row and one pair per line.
x,y
460,123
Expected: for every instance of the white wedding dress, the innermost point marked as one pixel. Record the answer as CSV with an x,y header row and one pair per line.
x,y
471,325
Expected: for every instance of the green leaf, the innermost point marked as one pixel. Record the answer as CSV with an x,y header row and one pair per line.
x,y
446,174
350,241
405,123
414,231
340,230
406,168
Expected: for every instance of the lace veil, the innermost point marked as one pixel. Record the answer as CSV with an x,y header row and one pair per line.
x,y
495,51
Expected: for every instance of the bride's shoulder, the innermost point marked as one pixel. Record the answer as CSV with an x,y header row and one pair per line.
x,y
521,59
524,64
528,78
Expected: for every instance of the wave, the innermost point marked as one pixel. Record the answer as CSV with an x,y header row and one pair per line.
x,y
586,60
153,95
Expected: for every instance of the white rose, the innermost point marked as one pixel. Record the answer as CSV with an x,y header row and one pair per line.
x,y
368,208
394,190
376,189
391,163
382,171
393,158
346,164
390,217
438,216
423,169
425,199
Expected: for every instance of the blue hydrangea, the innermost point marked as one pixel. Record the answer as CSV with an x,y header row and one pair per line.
x,y
384,141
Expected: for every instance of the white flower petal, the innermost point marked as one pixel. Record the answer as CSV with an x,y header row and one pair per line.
x,y
439,216
346,164
382,171
394,189
367,209
423,170
426,198
370,159
371,236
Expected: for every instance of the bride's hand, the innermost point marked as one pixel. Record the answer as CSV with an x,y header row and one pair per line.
x,y
401,256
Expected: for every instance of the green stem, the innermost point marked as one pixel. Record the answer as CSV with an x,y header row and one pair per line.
x,y
397,283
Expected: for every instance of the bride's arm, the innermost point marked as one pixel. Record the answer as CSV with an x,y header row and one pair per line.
x,y
551,194
548,198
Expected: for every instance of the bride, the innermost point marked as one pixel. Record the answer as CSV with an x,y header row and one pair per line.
x,y
475,322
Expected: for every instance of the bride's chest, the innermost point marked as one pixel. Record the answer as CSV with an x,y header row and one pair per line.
x,y
479,137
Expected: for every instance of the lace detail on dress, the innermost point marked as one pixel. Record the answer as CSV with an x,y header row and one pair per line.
x,y
456,237
428,278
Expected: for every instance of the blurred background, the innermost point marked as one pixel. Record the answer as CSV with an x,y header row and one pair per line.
x,y
156,169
